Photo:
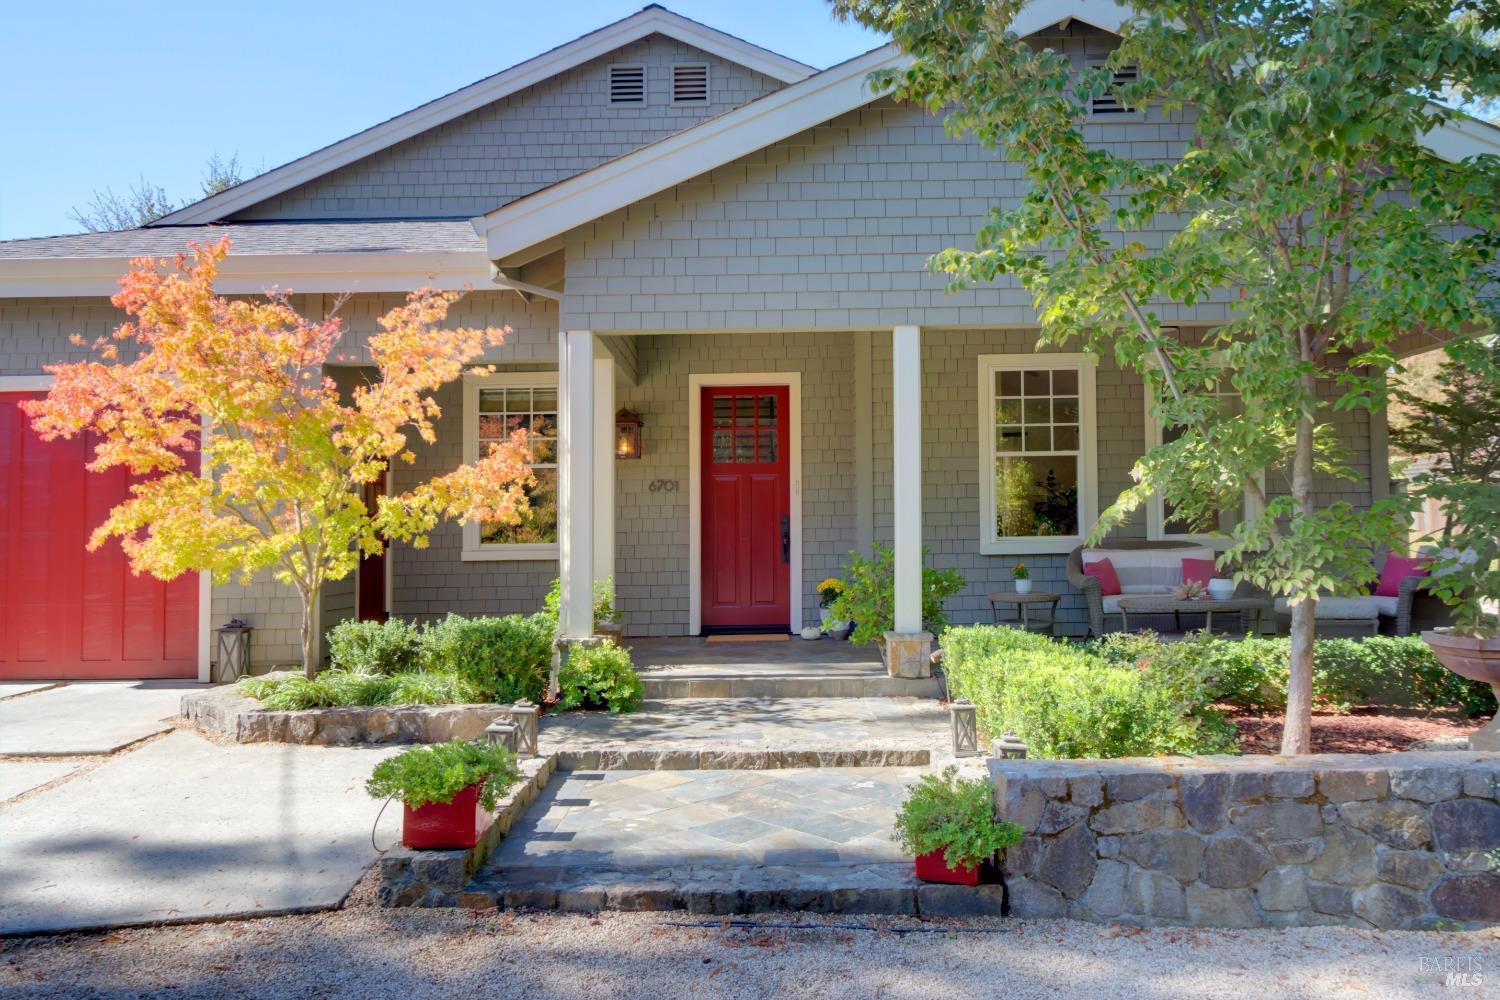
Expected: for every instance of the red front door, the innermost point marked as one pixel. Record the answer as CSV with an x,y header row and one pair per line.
x,y
747,551
66,612
371,575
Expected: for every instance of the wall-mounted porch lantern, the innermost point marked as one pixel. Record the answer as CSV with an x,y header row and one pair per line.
x,y
628,434
231,651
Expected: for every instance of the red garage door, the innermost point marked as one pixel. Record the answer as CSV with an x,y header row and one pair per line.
x,y
66,612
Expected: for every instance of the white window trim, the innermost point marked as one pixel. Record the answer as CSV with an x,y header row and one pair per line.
x,y
473,549
1156,509
708,86
1088,460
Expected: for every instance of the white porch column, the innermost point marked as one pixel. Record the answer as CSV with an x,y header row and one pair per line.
x,y
604,464
907,646
575,473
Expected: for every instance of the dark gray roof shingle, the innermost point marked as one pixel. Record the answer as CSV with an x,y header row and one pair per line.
x,y
258,238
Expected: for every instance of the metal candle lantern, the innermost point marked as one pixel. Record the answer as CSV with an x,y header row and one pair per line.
x,y
231,651
525,715
502,733
1010,746
628,434
963,719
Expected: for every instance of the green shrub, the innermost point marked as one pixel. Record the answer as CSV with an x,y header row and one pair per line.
x,y
1250,673
953,815
1071,701
604,600
869,595
598,677
417,688
500,659
343,688
387,647
439,772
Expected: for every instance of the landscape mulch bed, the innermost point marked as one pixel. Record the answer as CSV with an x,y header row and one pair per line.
x,y
1370,729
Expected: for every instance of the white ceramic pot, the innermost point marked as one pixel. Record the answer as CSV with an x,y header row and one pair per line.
x,y
1023,586
1221,588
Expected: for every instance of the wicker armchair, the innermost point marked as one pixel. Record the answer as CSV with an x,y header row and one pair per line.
x,y
1092,598
1417,608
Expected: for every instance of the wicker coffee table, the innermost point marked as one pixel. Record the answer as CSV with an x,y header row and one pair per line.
x,y
1176,606
1022,604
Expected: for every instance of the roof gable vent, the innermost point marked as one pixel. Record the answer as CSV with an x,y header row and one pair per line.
x,y
690,83
627,85
1108,103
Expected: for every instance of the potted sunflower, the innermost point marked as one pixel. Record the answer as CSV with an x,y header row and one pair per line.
x,y
828,592
948,825
448,791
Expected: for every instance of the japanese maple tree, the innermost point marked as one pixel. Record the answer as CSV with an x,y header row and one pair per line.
x,y
283,456
1305,210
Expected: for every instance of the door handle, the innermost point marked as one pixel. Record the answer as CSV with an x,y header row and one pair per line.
x,y
786,538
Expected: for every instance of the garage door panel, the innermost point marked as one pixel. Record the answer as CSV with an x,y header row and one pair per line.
x,y
69,612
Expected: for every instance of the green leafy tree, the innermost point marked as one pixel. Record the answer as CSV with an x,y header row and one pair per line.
x,y
1305,207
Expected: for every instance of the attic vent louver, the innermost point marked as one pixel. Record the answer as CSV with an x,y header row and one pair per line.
x,y
627,85
690,83
1108,103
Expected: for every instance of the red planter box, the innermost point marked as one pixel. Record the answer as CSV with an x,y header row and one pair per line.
x,y
932,867
446,826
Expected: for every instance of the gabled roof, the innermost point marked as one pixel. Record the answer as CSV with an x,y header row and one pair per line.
x,y
838,90
652,20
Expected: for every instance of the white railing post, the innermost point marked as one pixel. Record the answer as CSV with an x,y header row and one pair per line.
x,y
575,473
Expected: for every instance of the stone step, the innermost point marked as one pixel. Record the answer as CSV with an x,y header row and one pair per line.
x,y
880,888
671,685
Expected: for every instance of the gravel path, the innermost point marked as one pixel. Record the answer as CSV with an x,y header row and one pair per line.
x,y
365,952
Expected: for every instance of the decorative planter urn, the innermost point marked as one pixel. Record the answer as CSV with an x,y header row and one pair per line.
x,y
1478,659
933,867
446,826
1023,586
610,628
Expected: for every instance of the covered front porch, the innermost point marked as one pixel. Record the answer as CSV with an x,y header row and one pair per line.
x,y
770,482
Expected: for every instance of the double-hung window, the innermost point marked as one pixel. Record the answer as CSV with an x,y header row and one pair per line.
x,y
1163,521
1039,484
495,406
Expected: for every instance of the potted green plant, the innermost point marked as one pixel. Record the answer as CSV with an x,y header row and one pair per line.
x,y
828,592
1458,435
448,791
869,596
1022,576
948,825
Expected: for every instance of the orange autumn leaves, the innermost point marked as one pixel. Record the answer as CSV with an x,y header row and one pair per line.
x,y
285,456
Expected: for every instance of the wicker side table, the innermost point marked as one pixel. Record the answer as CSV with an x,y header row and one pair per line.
x,y
1023,603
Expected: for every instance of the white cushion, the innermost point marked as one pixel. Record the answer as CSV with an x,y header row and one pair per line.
x,y
1335,609
1386,605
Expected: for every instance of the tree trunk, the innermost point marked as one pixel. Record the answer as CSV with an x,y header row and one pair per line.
x,y
1296,730
309,632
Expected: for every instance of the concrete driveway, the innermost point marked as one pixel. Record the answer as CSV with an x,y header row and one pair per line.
x,y
181,828
87,717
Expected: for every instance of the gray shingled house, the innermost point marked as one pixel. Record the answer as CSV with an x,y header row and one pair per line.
x,y
725,242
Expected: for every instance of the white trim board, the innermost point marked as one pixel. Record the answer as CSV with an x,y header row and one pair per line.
x,y
473,550
252,274
696,383
835,91
650,21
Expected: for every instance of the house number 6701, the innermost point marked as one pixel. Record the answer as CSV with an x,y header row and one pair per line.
x,y
663,486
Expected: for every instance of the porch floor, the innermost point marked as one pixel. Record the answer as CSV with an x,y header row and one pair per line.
x,y
690,667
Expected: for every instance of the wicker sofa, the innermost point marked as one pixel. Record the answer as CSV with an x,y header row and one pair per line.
x,y
1143,567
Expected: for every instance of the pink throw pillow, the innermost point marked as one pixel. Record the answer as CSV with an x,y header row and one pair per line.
x,y
1398,568
1198,571
1104,571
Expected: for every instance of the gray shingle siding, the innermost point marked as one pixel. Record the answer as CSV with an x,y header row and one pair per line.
x,y
519,144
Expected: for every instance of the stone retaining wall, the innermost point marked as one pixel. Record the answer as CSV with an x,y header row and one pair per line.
x,y
437,878
1389,841
224,710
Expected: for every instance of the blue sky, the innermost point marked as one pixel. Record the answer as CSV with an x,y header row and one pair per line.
x,y
93,95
